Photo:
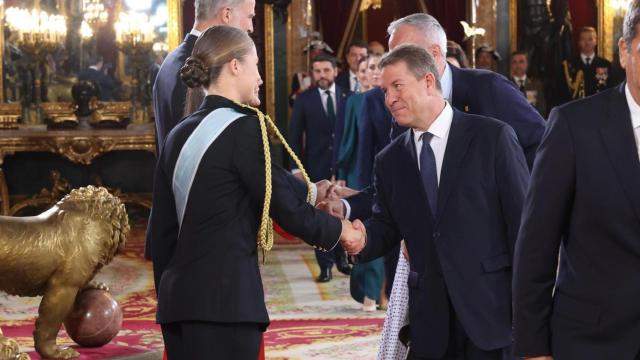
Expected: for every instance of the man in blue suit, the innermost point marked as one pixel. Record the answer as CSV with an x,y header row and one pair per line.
x,y
169,93
374,133
453,188
312,134
473,91
584,204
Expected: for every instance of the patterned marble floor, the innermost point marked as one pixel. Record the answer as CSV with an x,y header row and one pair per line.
x,y
311,320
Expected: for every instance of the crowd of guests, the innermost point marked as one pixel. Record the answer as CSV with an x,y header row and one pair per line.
x,y
501,234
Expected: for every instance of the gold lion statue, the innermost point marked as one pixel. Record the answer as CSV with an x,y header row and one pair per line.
x,y
9,349
57,253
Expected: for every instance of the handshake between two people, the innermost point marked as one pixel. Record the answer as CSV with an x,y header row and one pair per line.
x,y
353,237
330,194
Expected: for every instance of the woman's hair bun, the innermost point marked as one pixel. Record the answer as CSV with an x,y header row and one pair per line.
x,y
195,73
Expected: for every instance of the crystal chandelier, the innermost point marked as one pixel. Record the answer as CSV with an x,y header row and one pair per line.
x,y
37,31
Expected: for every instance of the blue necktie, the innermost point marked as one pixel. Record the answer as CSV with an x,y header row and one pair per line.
x,y
428,172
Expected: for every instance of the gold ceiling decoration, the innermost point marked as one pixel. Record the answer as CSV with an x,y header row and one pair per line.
x,y
373,4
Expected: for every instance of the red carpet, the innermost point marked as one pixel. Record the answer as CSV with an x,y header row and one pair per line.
x,y
309,320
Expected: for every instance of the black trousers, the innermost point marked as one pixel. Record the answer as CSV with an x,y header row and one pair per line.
x,y
208,340
462,348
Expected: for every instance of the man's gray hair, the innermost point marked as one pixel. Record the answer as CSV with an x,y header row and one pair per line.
x,y
208,9
430,27
418,60
631,20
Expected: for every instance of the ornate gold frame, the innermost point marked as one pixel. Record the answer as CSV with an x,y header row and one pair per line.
x,y
174,24
270,100
78,146
513,26
606,42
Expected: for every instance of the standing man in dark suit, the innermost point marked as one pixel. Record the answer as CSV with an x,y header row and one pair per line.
x,y
312,133
453,188
584,203
532,88
373,135
348,78
473,91
590,72
169,93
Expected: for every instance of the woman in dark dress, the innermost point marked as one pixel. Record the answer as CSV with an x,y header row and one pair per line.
x,y
215,190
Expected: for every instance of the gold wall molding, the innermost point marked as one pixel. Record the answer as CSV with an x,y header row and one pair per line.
x,y
79,146
486,18
2,52
606,32
270,101
296,41
513,27
174,24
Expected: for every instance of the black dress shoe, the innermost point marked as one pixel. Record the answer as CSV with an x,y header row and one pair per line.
x,y
325,276
342,264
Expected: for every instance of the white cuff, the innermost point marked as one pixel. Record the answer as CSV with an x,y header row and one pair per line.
x,y
295,171
347,209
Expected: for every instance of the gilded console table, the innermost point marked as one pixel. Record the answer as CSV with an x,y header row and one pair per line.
x,y
80,146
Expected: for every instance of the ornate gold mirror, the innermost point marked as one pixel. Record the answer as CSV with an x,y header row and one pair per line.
x,y
48,46
610,17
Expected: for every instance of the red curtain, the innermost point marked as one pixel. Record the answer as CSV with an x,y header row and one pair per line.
x,y
333,15
449,14
583,13
188,16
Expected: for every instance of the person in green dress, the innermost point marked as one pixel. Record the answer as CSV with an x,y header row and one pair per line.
x,y
367,278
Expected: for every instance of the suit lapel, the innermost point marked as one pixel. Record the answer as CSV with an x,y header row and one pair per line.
x,y
619,140
457,145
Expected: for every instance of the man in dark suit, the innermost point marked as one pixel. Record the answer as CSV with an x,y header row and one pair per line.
x,y
169,93
95,73
473,91
584,203
312,133
453,188
373,134
532,88
595,70
348,79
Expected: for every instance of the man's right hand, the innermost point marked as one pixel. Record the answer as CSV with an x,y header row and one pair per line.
x,y
343,191
353,236
333,207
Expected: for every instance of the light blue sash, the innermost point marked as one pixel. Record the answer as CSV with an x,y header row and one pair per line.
x,y
194,149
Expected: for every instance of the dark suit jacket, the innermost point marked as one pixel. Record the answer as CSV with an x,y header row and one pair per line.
x,y
477,92
209,271
105,85
466,249
590,81
374,133
312,135
533,91
584,198
486,93
169,92
342,80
